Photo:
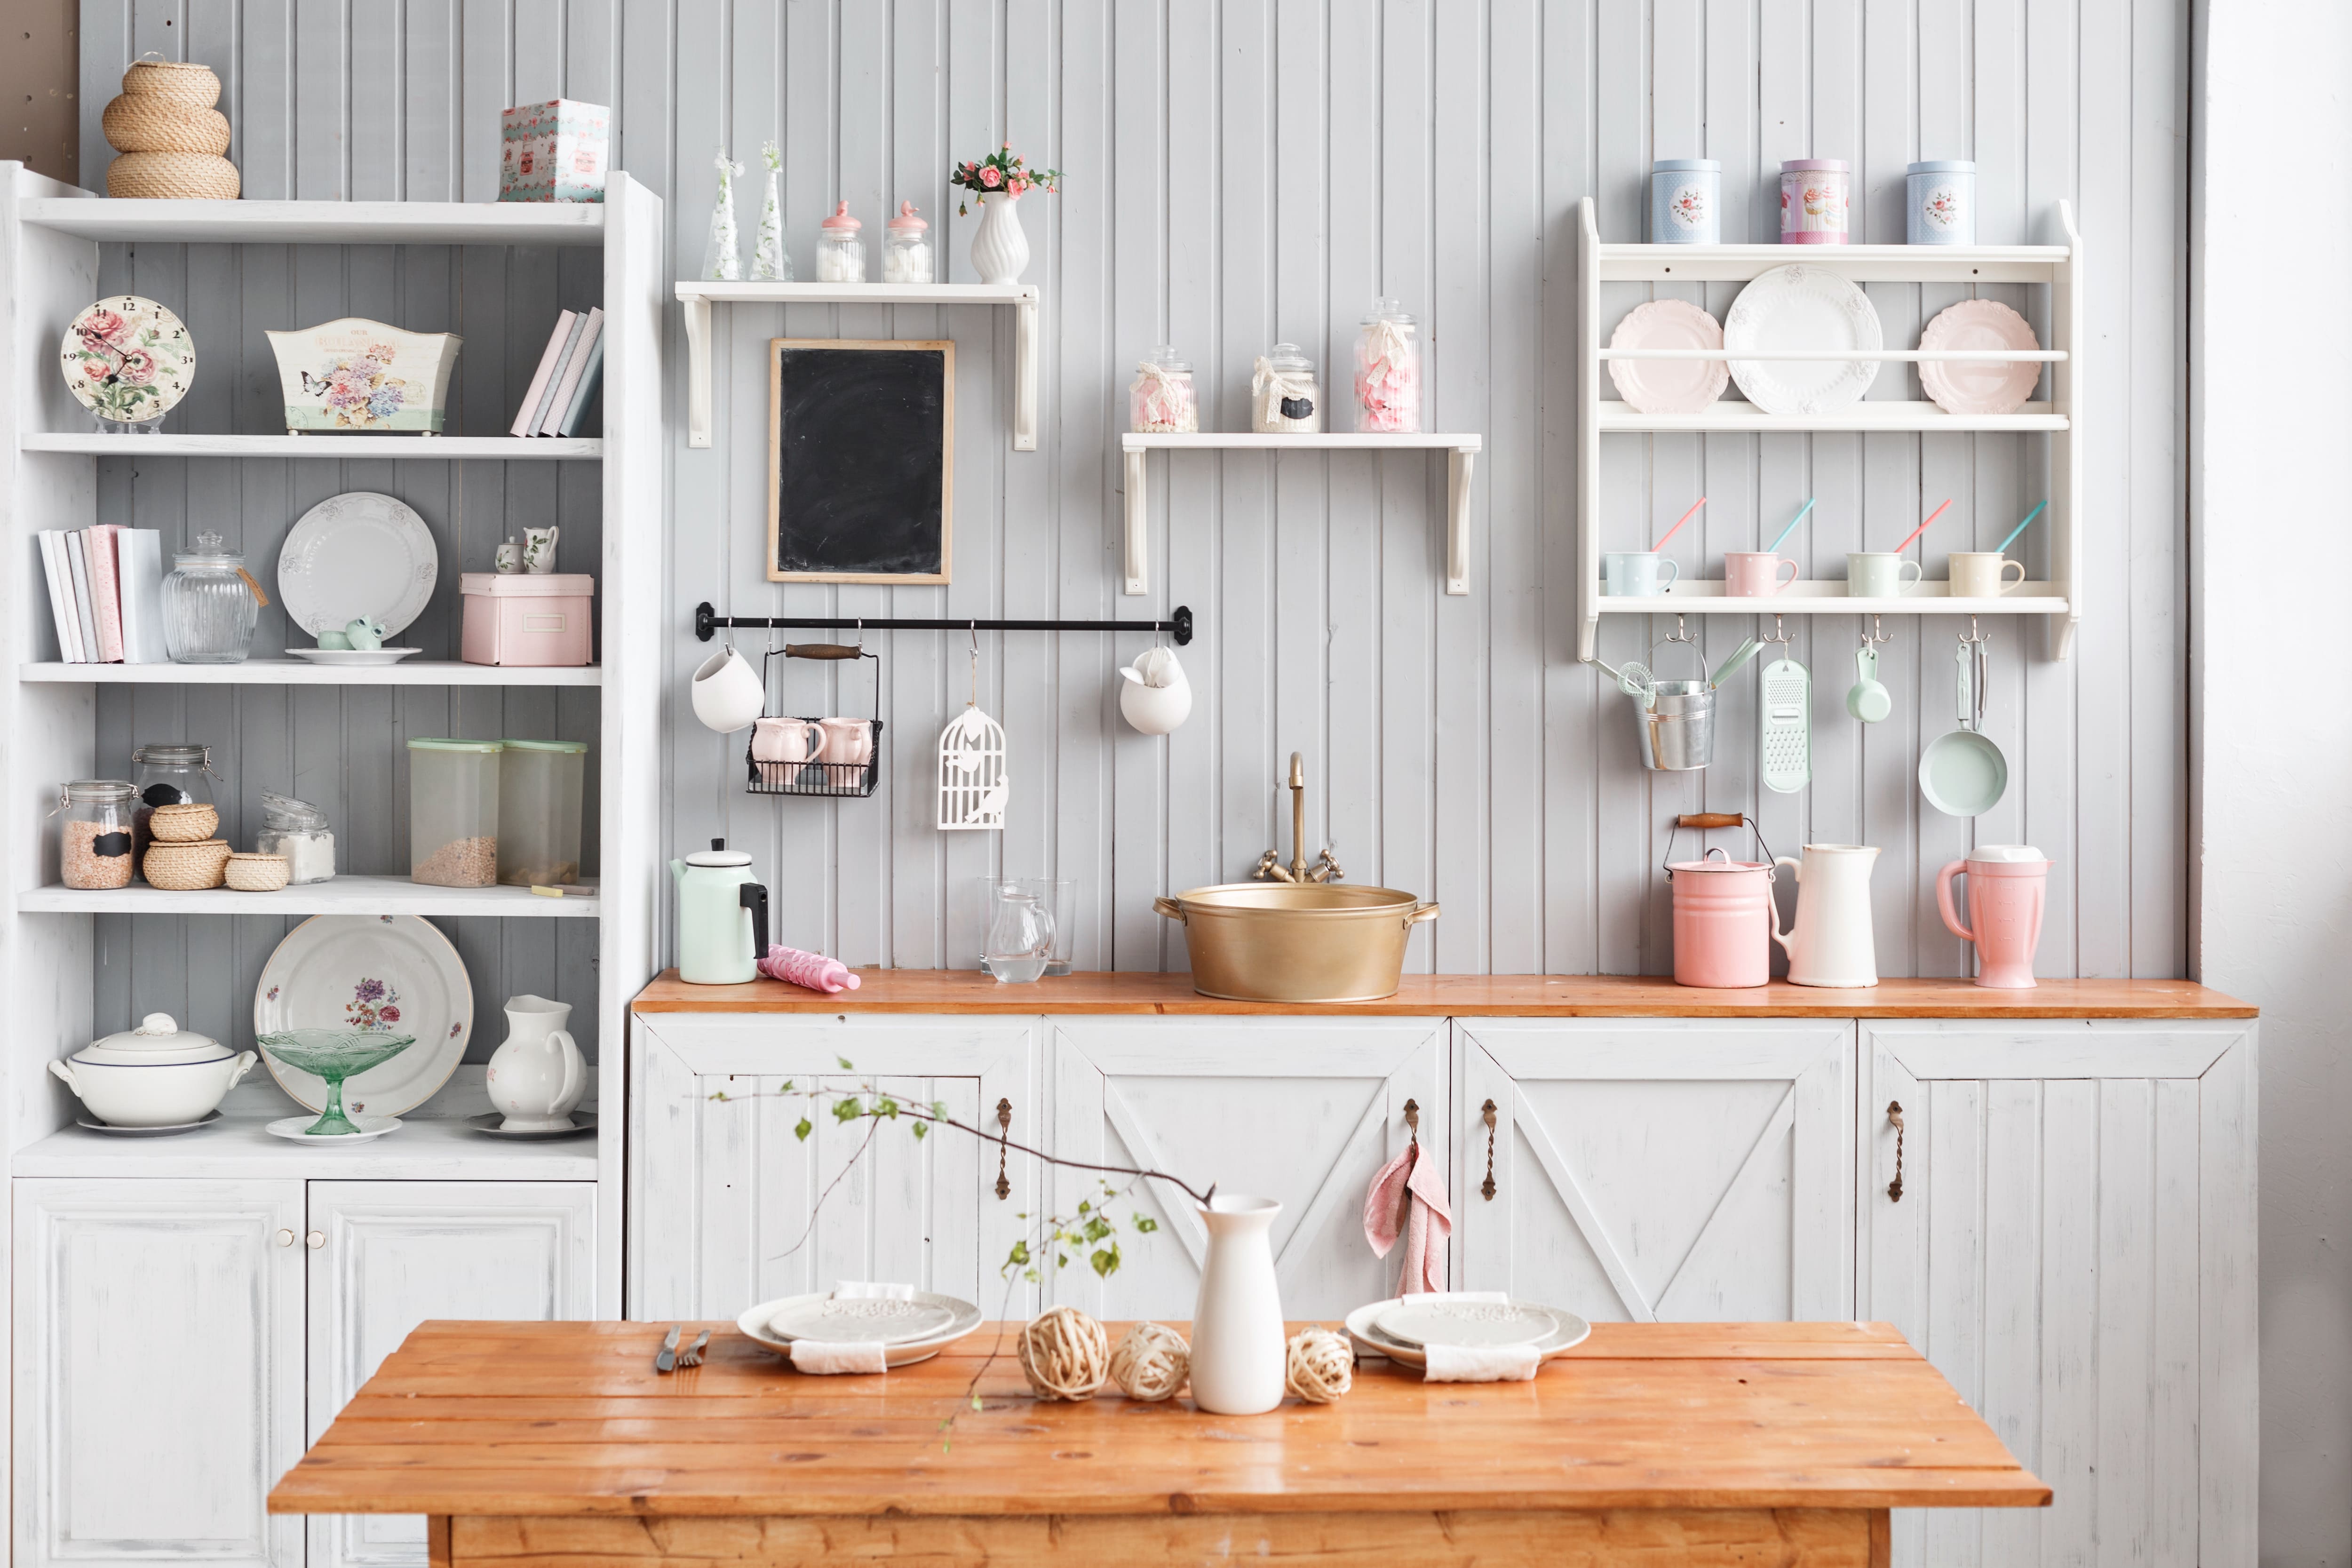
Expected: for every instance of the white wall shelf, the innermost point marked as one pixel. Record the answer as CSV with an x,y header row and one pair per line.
x,y
299,672
2058,266
1462,455
93,217
342,896
415,449
698,298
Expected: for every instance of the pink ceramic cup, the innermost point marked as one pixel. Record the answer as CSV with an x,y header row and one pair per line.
x,y
847,741
1755,573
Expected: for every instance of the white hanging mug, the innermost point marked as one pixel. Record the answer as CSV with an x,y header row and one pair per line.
x,y
1156,698
727,694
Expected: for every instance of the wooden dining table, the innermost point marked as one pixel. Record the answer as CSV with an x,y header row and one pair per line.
x,y
559,1445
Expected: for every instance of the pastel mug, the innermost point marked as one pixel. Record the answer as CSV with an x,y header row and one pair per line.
x,y
1635,572
539,550
1755,573
727,692
849,742
787,741
1983,573
1878,574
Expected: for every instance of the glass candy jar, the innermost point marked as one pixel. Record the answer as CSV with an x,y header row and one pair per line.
x,y
1161,401
1283,399
167,773
906,250
209,609
296,830
1388,371
840,253
95,842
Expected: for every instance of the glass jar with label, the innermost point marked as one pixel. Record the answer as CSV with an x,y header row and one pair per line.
x,y
176,773
907,248
1161,401
1283,398
209,610
840,253
1388,371
95,840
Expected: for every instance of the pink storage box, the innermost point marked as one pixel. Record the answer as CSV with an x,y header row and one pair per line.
x,y
526,620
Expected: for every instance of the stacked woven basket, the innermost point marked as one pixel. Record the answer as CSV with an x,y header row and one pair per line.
x,y
170,135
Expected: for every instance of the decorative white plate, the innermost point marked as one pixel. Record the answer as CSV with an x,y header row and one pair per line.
x,y
1980,387
582,1122
1803,308
753,1324
353,658
1668,386
1363,1327
206,1120
1469,1325
396,974
356,554
129,359
862,1320
370,1128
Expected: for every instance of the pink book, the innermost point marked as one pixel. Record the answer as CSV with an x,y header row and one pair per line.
x,y
106,606
551,361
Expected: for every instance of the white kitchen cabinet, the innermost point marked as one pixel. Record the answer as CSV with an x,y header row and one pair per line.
x,y
2074,1250
1657,1169
158,1371
1305,1110
724,1198
390,1255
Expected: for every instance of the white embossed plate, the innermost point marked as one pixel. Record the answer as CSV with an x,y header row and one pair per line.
x,y
863,1319
1803,308
1467,1325
1979,387
1668,386
359,553
1363,1327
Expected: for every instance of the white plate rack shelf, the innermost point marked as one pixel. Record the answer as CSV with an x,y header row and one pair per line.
x,y
49,239
2057,267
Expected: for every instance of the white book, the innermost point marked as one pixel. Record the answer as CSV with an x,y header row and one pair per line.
x,y
549,360
78,552
574,366
589,378
61,611
139,577
547,394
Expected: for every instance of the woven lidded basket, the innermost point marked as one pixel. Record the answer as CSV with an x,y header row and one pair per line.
x,y
173,81
160,125
256,873
166,176
184,824
186,867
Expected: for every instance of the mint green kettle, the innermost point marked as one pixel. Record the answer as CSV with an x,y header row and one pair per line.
x,y
722,917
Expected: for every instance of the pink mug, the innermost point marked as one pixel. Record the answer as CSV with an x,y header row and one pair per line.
x,y
1755,573
786,740
847,741
2007,884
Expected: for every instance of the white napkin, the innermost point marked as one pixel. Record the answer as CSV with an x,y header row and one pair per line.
x,y
870,1290
816,1356
1452,1363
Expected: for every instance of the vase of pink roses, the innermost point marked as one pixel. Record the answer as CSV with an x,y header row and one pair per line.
x,y
997,183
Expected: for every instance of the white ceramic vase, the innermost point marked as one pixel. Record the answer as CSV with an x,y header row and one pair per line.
x,y
1238,1343
1832,945
538,1076
1000,251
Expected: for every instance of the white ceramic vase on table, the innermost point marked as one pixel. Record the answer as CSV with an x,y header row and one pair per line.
x,y
1000,251
1238,1348
1832,942
538,1076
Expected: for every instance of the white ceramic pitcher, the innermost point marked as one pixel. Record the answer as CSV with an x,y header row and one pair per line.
x,y
1238,1349
538,1076
1832,945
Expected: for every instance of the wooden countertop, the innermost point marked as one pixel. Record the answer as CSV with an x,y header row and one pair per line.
x,y
884,991
520,1419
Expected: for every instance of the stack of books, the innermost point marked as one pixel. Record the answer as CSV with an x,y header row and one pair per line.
x,y
106,591
557,403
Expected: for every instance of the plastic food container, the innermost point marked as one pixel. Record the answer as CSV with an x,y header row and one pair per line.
x,y
453,812
540,788
528,620
1685,201
94,842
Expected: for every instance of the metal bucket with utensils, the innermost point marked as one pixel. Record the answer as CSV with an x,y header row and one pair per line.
x,y
1676,718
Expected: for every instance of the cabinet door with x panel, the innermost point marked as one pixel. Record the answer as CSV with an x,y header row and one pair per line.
x,y
1657,1170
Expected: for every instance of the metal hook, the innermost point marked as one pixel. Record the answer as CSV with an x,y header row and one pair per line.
x,y
1780,634
1679,633
1876,634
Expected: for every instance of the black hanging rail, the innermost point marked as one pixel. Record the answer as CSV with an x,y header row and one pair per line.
x,y
1179,624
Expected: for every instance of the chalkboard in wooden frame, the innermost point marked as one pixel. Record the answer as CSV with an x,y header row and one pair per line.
x,y
861,444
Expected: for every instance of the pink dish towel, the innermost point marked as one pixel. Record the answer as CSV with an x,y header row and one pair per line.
x,y
820,1358
813,970
1408,1199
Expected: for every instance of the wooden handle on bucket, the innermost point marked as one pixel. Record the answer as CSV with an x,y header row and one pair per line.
x,y
1705,820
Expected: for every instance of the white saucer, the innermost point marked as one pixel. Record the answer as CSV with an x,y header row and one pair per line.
x,y
490,1123
370,1129
362,658
206,1120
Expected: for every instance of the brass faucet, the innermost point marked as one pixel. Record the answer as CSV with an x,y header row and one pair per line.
x,y
1269,865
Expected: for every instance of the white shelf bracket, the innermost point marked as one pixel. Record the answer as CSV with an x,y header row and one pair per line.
x,y
1024,381
698,372
1457,519
1139,577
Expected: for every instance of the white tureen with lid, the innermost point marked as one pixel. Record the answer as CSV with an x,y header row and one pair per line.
x,y
157,1075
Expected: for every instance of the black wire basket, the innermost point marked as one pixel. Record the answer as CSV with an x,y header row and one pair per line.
x,y
836,780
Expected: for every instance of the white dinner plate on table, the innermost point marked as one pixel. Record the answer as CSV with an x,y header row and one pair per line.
x,y
1363,1327
1803,308
1979,387
756,1324
394,973
356,554
353,658
1668,386
1420,1322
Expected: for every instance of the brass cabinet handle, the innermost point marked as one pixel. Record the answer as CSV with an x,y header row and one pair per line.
x,y
1894,1115
1004,1123
1488,1110
1412,1119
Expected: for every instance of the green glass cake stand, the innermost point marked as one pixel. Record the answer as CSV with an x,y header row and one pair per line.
x,y
334,1055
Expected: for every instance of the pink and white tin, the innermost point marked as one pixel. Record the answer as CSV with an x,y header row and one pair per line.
x,y
1815,201
544,620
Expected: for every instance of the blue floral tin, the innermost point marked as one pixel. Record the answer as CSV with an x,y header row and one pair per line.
x,y
1942,206
1685,201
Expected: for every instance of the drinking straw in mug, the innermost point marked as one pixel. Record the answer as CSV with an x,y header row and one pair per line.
x,y
1921,527
1774,548
2020,528
1686,517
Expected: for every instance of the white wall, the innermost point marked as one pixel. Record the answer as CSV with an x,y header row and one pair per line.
x,y
2272,405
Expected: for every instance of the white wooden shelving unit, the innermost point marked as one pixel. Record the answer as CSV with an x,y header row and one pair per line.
x,y
49,235
2057,267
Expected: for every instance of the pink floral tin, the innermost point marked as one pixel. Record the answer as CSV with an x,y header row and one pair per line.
x,y
554,151
1814,201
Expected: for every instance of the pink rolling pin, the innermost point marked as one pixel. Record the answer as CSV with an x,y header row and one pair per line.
x,y
813,970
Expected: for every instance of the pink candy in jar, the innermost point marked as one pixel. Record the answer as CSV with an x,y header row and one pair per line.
x,y
1388,371
1161,401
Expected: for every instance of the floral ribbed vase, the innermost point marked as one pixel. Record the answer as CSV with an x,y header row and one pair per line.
x,y
1000,251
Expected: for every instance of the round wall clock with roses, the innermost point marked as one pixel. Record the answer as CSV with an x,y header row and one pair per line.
x,y
129,360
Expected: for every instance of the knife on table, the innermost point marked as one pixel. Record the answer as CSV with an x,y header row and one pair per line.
x,y
668,1358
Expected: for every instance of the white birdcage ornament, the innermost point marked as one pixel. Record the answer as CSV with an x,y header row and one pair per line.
x,y
973,785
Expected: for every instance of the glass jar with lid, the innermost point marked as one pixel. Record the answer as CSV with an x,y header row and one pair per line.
x,y
95,841
453,812
1161,401
1283,398
540,783
168,772
907,253
1388,371
840,253
209,608
296,830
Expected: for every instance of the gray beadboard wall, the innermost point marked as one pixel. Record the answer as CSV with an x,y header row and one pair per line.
x,y
1238,174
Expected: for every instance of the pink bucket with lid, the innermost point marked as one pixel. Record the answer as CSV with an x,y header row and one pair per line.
x,y
1723,910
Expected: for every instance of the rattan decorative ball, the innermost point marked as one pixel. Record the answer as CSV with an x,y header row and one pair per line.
x,y
1065,1355
187,823
186,868
256,873
1152,1363
1322,1365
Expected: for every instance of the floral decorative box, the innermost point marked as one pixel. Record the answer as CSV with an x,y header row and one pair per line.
x,y
354,374
554,151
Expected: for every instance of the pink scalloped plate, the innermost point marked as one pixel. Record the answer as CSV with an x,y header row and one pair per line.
x,y
1979,387
1668,386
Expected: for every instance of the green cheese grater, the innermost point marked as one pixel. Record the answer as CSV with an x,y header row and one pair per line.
x,y
1784,736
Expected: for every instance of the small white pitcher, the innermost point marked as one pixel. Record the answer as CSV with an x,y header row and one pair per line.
x,y
538,1075
1832,943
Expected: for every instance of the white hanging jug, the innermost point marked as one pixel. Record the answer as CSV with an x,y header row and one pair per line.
x,y
1832,943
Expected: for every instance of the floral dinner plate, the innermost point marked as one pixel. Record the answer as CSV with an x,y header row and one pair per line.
x,y
396,974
